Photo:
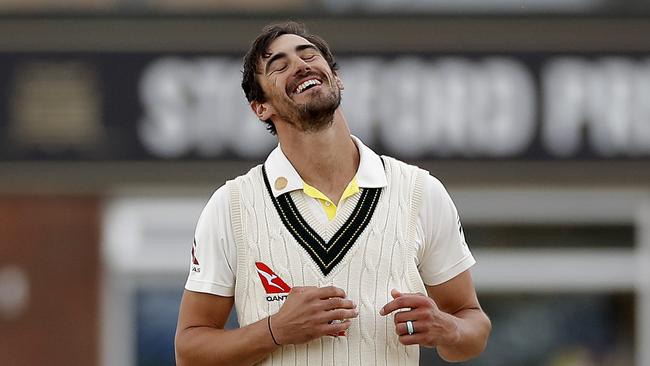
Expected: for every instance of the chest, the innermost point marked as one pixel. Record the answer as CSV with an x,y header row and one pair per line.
x,y
367,239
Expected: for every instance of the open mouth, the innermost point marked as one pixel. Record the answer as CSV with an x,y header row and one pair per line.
x,y
306,85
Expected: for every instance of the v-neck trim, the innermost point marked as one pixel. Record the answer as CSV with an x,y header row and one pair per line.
x,y
346,227
330,227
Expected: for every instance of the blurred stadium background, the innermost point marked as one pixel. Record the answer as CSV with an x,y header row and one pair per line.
x,y
118,119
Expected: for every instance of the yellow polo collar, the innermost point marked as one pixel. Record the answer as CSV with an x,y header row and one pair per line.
x,y
329,206
284,178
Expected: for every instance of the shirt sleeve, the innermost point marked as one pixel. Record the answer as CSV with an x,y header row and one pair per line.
x,y
442,250
214,254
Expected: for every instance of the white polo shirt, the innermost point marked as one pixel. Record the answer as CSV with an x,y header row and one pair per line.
x,y
442,250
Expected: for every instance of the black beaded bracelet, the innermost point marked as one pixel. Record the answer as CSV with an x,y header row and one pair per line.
x,y
270,331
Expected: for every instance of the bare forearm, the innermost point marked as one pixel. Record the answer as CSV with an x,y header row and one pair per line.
x,y
473,330
197,346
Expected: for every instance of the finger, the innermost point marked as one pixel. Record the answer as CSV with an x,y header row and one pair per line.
x,y
391,306
402,329
338,303
419,327
396,293
403,316
301,289
330,291
407,302
409,339
340,314
336,328
403,302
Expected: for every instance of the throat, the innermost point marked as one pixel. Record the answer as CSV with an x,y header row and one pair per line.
x,y
331,180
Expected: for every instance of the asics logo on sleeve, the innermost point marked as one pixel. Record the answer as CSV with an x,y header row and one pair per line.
x,y
272,283
194,260
196,267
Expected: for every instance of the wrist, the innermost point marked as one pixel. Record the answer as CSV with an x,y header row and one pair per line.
x,y
272,333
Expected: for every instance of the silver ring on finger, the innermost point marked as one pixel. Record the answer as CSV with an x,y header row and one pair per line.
x,y
409,327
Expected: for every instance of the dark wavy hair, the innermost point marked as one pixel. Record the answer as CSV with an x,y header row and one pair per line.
x,y
259,50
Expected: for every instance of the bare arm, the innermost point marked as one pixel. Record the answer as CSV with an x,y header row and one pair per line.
x,y
201,339
307,314
457,298
450,319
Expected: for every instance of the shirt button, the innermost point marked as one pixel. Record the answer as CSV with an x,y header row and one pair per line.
x,y
327,204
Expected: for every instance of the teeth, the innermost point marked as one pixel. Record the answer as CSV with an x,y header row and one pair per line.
x,y
306,84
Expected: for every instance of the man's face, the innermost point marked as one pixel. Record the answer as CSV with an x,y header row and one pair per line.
x,y
299,84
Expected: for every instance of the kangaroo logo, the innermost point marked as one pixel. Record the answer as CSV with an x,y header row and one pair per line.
x,y
272,283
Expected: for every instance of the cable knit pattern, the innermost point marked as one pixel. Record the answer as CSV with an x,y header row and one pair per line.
x,y
382,258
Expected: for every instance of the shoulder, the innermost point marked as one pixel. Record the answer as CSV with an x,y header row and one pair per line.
x,y
433,187
395,166
256,174
220,199
217,205
222,194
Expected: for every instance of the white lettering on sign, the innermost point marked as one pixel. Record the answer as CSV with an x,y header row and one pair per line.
x,y
450,107
165,128
602,104
416,107
198,106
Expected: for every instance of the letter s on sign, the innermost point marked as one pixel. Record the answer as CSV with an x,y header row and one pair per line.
x,y
162,129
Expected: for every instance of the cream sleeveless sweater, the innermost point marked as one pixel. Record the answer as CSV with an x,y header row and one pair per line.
x,y
382,257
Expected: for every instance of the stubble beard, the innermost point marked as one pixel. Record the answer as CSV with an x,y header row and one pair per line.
x,y
317,113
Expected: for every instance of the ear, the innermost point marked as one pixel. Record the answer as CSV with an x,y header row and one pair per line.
x,y
263,111
339,82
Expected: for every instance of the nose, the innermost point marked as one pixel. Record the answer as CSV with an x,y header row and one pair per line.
x,y
301,66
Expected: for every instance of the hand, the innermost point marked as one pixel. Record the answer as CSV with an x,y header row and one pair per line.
x,y
312,312
432,326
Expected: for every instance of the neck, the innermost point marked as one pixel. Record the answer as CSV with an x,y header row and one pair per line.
x,y
326,160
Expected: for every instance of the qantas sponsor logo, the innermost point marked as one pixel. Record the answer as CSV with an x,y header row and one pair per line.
x,y
276,289
276,298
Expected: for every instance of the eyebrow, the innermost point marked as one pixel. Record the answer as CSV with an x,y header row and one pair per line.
x,y
281,55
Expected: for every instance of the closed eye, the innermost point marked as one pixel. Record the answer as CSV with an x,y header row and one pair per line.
x,y
279,68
